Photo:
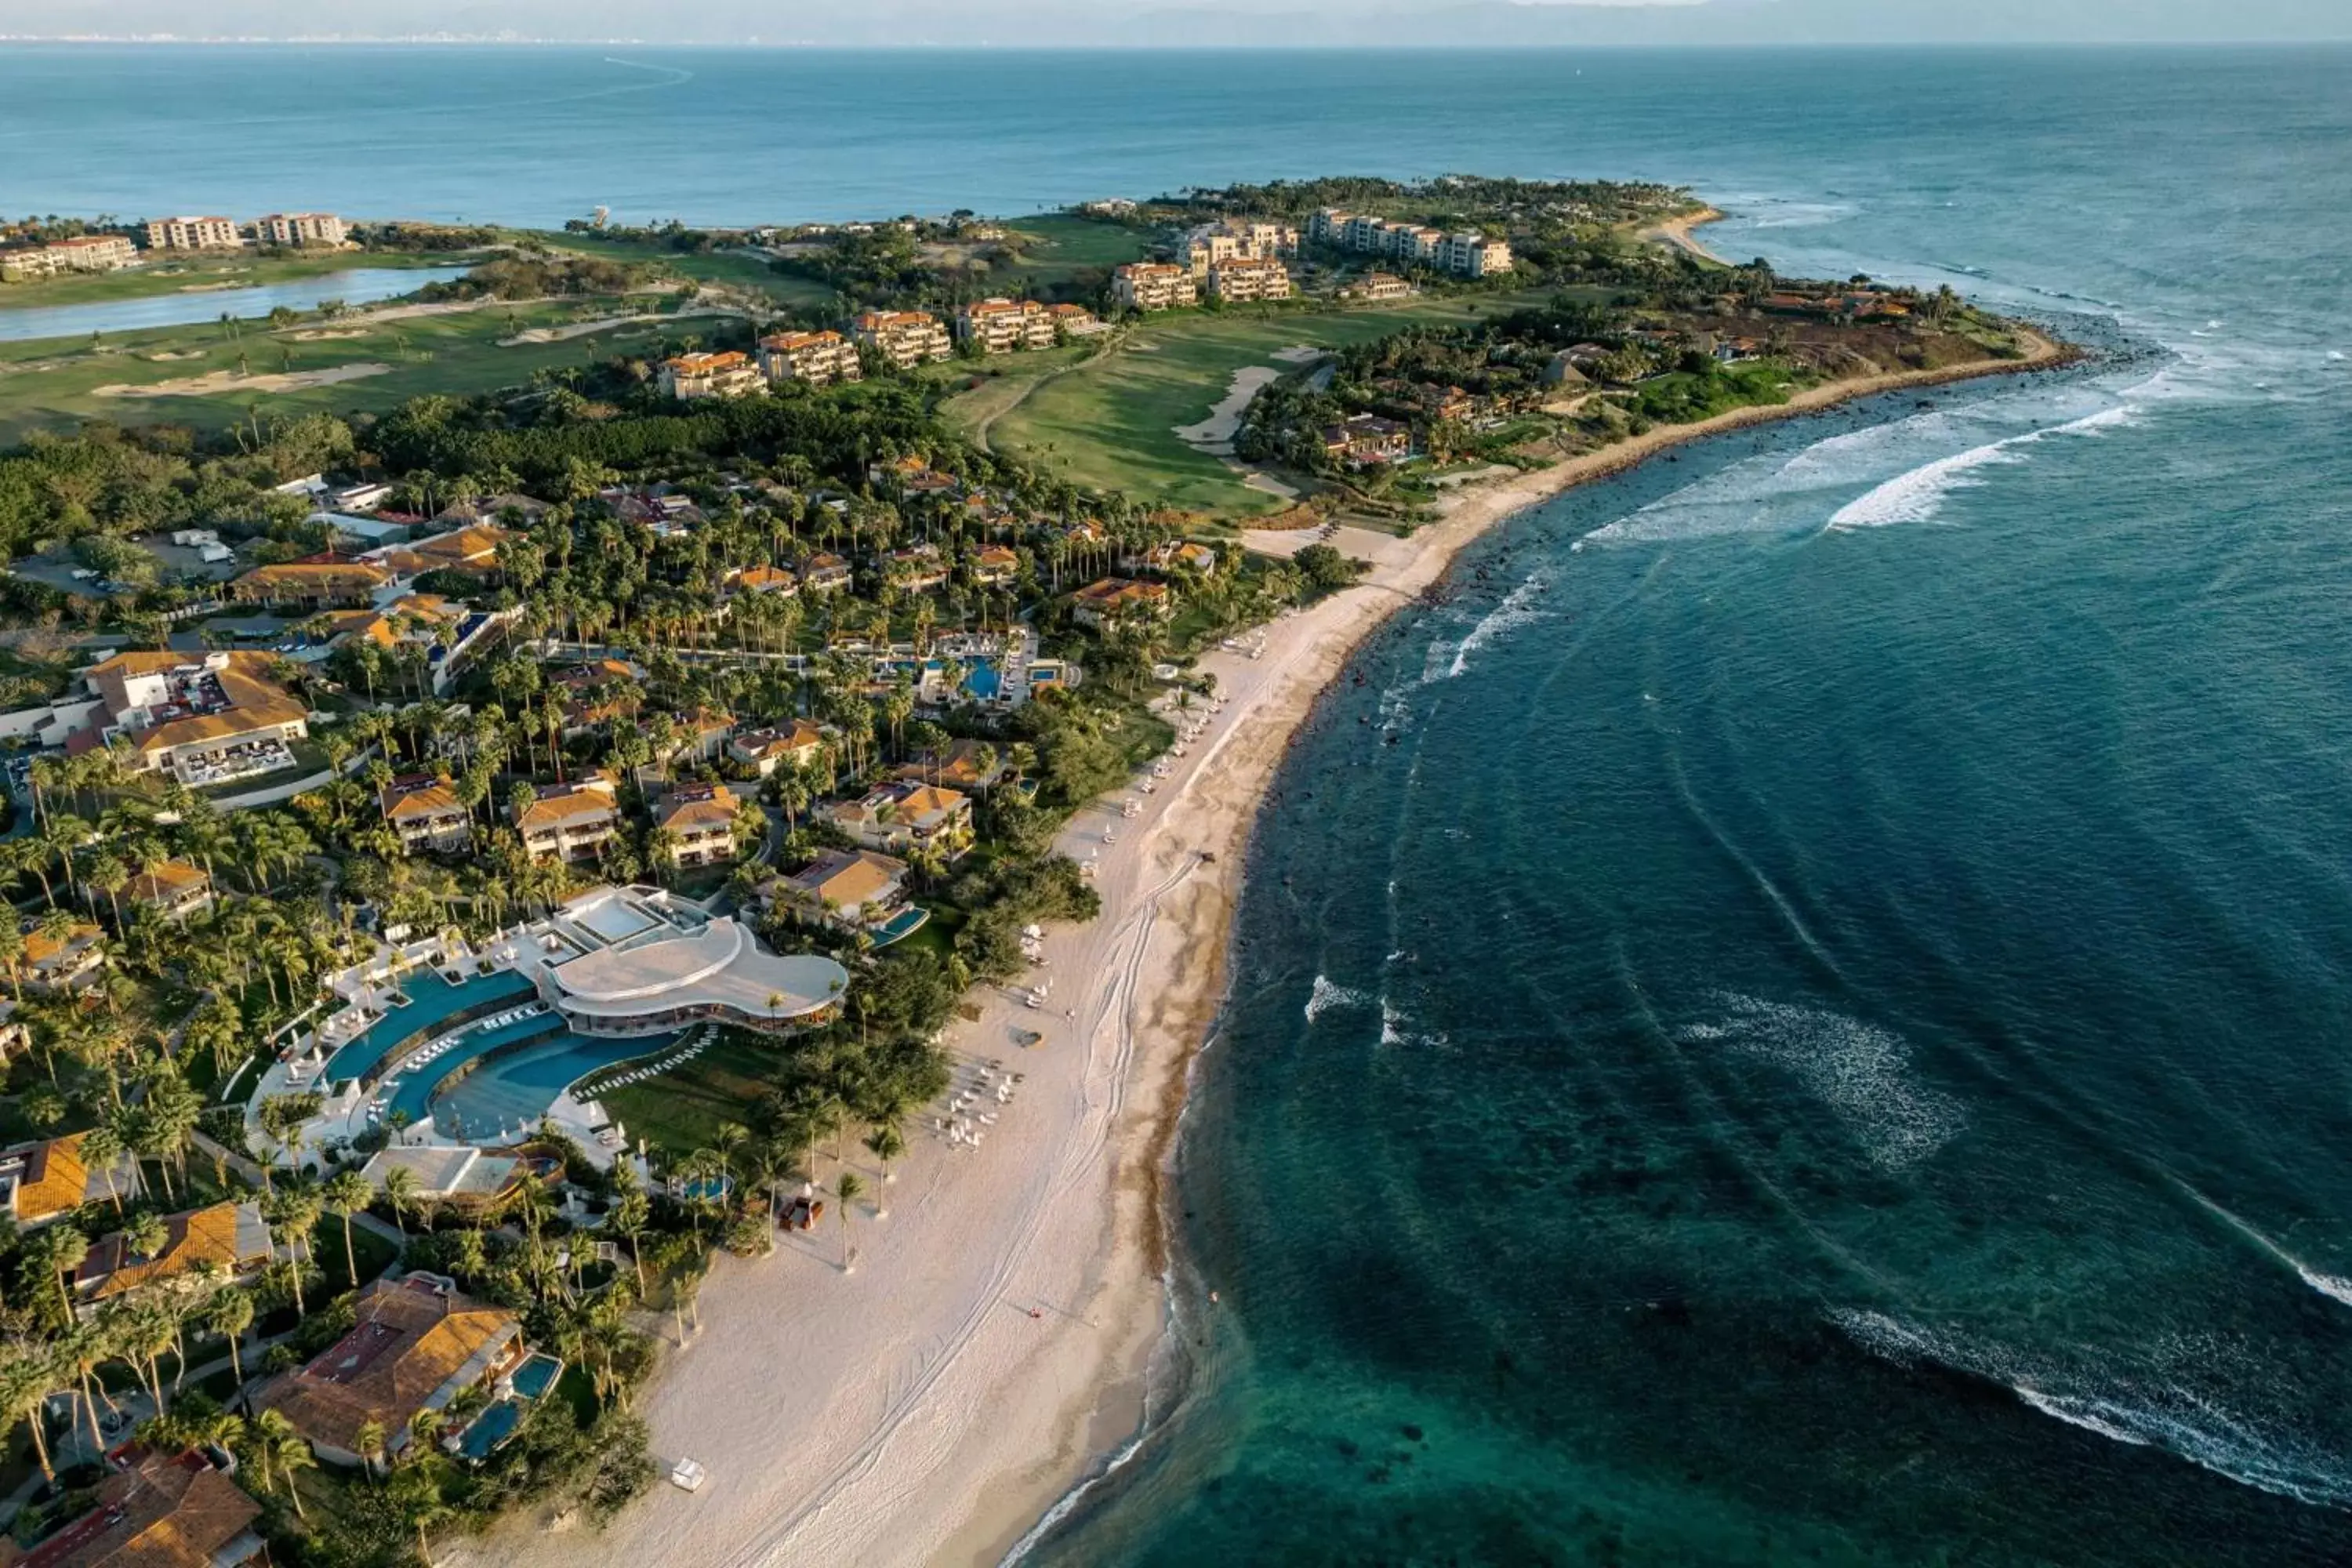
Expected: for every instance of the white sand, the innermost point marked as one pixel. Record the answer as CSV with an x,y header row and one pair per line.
x,y
214,382
914,1411
1216,432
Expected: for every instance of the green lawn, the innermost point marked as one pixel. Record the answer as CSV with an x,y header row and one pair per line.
x,y
1052,247
731,268
54,383
1110,422
681,1110
192,273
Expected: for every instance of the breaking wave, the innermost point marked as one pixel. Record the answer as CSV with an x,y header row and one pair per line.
x,y
1917,495
1326,995
2170,1399
1446,661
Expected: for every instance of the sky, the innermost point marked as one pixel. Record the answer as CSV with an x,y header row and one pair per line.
x,y
1199,23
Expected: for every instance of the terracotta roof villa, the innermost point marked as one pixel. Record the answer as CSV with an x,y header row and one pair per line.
x,y
174,889
202,718
165,1511
61,964
322,582
230,1236
850,888
419,1345
41,1182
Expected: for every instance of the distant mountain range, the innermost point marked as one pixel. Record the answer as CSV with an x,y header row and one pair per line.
x,y
1207,23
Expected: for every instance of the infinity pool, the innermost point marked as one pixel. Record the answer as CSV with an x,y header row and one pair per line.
x,y
431,1001
514,1091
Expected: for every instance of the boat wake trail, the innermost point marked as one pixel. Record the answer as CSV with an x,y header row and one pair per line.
x,y
2178,1399
2335,1287
1917,495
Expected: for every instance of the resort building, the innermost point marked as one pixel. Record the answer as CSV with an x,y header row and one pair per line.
x,y
766,580
426,814
418,1346
1172,555
192,234
174,889
916,569
731,375
963,764
1005,326
1153,286
908,816
993,565
700,821
1377,286
799,744
1237,239
1366,439
1237,282
157,1510
1466,255
817,358
1117,600
42,1182
322,582
84,253
300,229
635,961
462,1178
903,338
507,506
570,822
200,718
821,573
846,888
56,964
229,1239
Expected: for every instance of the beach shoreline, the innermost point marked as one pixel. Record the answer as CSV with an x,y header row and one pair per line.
x,y
1678,233
989,1352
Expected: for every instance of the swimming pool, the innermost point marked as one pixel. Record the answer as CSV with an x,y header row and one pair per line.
x,y
984,682
515,1089
418,1086
535,1376
906,922
432,1001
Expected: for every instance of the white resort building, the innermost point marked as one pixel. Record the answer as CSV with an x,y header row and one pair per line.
x,y
637,961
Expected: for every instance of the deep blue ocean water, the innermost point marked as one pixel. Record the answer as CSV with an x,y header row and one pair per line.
x,y
1803,1015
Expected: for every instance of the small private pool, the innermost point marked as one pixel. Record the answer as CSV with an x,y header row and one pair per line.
x,y
905,923
984,682
430,1001
526,1386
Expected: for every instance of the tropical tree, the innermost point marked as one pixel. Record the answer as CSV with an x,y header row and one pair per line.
x,y
345,1194
229,1314
848,1189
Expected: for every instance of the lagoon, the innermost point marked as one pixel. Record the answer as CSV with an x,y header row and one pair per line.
x,y
361,286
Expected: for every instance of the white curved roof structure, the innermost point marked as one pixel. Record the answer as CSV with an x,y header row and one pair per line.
x,y
719,971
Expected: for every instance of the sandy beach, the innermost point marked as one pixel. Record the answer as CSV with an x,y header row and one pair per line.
x,y
988,1348
1677,232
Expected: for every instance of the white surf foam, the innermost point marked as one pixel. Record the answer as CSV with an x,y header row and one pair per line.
x,y
1447,661
1392,1022
1917,495
2184,1393
2333,1286
1325,996
1861,1072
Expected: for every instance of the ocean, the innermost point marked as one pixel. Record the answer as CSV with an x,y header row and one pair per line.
x,y
1801,1015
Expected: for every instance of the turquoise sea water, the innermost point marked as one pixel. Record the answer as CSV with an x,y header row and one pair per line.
x,y
1800,1015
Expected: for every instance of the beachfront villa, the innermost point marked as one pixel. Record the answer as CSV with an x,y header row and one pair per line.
x,y
154,1509
418,1346
908,815
847,888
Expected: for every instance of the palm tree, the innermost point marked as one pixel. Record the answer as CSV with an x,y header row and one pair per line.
x,y
229,1314
400,1193
848,1188
280,1444
28,1376
369,1442
60,1250
345,1194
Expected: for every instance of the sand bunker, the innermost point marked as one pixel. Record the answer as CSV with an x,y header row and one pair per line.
x,y
1217,430
220,381
321,334
1301,354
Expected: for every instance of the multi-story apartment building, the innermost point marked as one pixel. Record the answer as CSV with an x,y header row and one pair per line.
x,y
1241,281
1153,286
731,375
1005,326
1475,255
300,228
903,337
817,358
83,253
572,821
192,234
1237,239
